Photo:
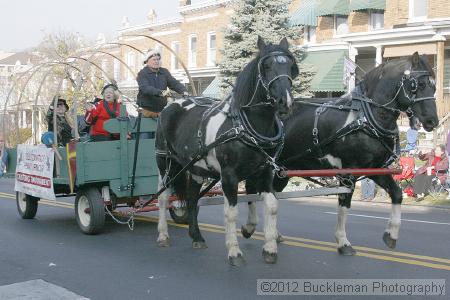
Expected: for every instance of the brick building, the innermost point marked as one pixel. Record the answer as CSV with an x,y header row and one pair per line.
x,y
12,65
365,31
196,37
370,32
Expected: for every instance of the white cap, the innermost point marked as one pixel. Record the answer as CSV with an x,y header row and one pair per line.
x,y
150,53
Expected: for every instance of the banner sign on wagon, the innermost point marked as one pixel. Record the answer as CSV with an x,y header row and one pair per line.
x,y
34,171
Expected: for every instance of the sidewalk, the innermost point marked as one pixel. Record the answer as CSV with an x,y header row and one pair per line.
x,y
438,201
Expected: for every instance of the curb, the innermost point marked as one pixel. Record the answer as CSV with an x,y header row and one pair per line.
x,y
378,202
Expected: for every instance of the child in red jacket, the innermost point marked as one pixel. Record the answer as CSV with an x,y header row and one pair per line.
x,y
105,109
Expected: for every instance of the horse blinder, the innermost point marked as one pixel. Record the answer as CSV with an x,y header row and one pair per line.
x,y
281,58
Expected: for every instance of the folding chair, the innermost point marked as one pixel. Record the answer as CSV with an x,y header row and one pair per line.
x,y
438,187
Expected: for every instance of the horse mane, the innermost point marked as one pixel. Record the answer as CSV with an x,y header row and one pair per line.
x,y
247,80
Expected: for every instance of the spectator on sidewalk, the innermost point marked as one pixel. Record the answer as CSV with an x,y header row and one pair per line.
x,y
368,190
436,165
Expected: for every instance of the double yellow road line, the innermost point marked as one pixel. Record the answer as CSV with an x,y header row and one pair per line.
x,y
373,253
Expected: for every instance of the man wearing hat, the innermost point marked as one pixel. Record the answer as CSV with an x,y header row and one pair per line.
x,y
63,121
153,82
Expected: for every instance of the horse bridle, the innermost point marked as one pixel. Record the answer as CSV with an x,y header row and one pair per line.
x,y
413,82
266,85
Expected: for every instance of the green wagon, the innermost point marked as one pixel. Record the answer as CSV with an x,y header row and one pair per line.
x,y
101,175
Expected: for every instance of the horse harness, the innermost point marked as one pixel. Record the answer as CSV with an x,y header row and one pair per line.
x,y
366,121
242,130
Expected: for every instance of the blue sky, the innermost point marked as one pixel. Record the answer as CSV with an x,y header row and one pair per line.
x,y
23,22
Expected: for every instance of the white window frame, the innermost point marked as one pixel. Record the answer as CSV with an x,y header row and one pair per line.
x,y
192,61
412,17
335,17
131,62
446,85
104,66
211,54
372,13
116,71
173,59
309,34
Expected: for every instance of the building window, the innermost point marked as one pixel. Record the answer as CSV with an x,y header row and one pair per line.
x,y
131,62
376,19
340,25
192,51
309,35
174,63
418,9
104,68
116,70
447,71
211,52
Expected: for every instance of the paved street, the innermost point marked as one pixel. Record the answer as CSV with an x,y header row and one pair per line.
x,y
124,264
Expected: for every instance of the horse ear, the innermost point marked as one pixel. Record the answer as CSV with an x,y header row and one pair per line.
x,y
261,44
415,60
284,43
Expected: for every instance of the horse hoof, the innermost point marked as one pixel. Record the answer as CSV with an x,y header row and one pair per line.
x,y
236,261
346,250
280,238
390,242
269,258
199,245
245,233
163,243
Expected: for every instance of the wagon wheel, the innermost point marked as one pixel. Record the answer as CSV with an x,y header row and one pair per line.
x,y
26,205
179,214
90,210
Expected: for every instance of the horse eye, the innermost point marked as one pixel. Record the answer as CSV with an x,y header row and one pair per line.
x,y
268,64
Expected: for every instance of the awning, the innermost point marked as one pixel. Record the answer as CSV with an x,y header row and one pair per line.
x,y
333,7
213,89
367,4
306,14
329,69
407,50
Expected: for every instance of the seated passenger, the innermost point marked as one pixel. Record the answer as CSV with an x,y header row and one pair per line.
x,y
63,121
97,115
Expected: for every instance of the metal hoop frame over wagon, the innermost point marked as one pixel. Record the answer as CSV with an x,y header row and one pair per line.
x,y
104,176
101,175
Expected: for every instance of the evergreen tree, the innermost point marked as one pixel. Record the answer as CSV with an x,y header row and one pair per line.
x,y
268,19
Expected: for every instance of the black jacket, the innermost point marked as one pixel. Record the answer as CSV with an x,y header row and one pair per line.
x,y
64,129
151,84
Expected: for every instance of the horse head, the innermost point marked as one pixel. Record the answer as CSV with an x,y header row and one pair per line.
x,y
407,85
420,92
273,70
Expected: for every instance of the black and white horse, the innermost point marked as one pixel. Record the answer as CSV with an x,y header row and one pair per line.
x,y
358,131
231,141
